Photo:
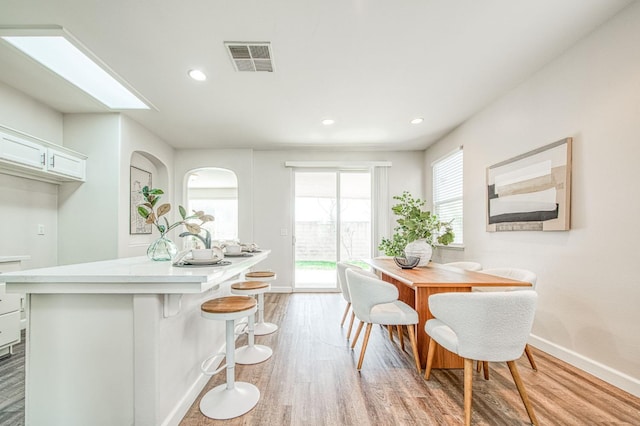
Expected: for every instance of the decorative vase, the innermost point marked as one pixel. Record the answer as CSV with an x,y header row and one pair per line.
x,y
419,248
162,249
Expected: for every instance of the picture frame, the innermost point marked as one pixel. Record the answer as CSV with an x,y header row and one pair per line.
x,y
531,192
138,179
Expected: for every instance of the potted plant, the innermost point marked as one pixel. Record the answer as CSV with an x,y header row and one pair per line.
x,y
417,232
163,248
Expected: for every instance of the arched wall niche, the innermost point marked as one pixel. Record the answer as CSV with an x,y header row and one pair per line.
x,y
214,190
145,161
239,161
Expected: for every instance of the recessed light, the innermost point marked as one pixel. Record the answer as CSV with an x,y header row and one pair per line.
x,y
328,122
57,50
197,75
417,120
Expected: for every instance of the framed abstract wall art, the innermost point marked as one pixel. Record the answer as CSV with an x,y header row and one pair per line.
x,y
138,179
531,192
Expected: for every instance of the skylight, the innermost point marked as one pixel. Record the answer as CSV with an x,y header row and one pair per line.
x,y
62,57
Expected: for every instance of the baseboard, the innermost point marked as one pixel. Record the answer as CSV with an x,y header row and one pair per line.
x,y
276,289
601,371
23,323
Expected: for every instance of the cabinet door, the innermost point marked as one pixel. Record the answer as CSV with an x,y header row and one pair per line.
x,y
9,328
66,164
22,152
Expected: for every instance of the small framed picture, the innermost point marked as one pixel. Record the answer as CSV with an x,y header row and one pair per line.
x,y
138,179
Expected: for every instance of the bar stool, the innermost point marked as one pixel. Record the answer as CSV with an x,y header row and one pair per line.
x,y
251,353
262,327
231,399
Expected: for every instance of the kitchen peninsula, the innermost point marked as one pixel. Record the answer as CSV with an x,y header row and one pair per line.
x,y
119,341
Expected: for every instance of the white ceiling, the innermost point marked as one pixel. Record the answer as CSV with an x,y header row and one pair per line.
x,y
372,65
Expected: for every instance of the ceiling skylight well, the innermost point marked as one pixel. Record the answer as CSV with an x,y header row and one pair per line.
x,y
56,51
252,57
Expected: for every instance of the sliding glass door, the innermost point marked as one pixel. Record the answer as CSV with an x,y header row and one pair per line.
x,y
332,223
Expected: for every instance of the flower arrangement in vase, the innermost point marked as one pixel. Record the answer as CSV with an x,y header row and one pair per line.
x,y
163,248
417,232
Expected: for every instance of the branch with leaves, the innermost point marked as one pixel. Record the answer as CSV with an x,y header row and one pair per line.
x,y
157,216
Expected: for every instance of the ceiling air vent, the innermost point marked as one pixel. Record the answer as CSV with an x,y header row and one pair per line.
x,y
251,56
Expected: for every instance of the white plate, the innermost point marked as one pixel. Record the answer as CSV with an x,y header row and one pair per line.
x,y
202,261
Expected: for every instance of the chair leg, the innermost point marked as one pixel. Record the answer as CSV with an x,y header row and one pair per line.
x,y
479,366
355,339
527,351
353,317
400,336
485,367
430,354
468,390
364,345
390,329
346,311
414,345
522,391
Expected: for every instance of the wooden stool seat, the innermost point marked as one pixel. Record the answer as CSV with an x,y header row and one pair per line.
x,y
260,274
250,285
228,305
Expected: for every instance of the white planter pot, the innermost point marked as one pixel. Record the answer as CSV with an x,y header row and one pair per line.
x,y
421,249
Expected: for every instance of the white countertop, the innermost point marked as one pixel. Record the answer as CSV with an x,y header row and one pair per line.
x,y
127,275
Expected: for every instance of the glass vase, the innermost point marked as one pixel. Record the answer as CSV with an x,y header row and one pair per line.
x,y
162,249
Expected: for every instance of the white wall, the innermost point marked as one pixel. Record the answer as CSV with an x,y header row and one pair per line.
x,y
26,203
272,189
589,291
88,212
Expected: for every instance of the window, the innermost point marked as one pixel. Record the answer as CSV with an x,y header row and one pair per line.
x,y
447,191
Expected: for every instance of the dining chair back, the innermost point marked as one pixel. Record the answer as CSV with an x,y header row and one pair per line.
x,y
466,265
344,289
515,274
376,302
490,326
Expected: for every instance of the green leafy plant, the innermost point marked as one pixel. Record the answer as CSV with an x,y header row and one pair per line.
x,y
414,224
158,216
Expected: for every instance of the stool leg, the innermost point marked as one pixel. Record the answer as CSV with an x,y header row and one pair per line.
x,y
263,327
252,353
231,399
231,352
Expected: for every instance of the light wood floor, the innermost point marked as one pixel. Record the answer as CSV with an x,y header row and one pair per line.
x,y
311,380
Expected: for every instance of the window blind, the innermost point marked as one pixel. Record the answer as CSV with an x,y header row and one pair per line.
x,y
447,192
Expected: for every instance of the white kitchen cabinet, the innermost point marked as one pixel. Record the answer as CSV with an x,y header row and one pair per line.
x,y
10,306
65,164
34,158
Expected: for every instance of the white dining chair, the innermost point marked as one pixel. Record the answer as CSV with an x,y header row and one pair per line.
x,y
491,326
342,283
376,302
514,274
466,265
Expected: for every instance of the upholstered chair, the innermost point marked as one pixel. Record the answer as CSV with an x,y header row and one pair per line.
x,y
515,274
342,283
467,266
491,326
376,302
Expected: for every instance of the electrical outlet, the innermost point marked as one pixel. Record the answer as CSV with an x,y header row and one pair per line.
x,y
40,229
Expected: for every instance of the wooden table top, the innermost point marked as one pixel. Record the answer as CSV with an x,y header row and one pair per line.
x,y
435,274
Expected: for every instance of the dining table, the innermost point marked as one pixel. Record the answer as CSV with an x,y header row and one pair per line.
x,y
417,284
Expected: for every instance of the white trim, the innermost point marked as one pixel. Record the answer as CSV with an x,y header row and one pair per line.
x,y
281,289
338,164
601,371
448,154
